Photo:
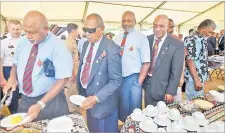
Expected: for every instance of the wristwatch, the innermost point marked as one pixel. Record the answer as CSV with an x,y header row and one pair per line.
x,y
41,104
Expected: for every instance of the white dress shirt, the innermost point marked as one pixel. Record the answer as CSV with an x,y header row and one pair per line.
x,y
8,48
160,43
136,52
95,49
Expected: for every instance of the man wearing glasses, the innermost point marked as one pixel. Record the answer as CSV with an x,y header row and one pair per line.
x,y
8,48
99,77
135,53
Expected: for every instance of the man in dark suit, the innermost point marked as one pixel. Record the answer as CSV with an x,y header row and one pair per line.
x,y
99,77
211,41
221,40
167,56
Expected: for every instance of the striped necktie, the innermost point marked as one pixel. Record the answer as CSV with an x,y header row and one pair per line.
x,y
154,56
123,43
27,76
87,67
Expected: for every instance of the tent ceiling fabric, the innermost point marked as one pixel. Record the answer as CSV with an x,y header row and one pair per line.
x,y
111,12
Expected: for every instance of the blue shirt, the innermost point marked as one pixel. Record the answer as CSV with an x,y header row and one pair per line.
x,y
51,48
136,52
197,51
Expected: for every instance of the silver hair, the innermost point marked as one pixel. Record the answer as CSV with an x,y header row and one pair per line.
x,y
207,23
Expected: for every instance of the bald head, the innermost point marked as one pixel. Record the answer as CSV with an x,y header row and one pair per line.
x,y
128,21
95,19
160,25
36,19
35,25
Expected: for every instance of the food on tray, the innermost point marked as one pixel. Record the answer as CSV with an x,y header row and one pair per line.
x,y
16,119
28,130
203,104
210,98
221,87
188,106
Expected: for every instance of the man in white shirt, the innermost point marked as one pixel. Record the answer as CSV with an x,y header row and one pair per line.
x,y
135,53
8,47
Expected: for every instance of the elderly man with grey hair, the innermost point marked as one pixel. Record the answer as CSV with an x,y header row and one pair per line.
x,y
197,64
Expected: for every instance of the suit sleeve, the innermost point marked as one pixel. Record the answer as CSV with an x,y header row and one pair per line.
x,y
176,70
115,75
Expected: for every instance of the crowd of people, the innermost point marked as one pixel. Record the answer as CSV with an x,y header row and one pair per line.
x,y
110,73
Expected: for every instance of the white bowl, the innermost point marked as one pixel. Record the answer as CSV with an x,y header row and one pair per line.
x,y
162,120
200,118
175,127
148,125
218,126
189,123
174,114
161,107
137,115
150,111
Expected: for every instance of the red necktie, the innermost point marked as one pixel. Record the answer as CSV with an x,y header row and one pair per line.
x,y
154,56
85,74
123,43
27,76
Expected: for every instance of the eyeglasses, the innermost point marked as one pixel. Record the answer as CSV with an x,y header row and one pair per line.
x,y
90,30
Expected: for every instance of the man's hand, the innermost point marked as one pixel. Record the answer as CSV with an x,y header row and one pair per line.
x,y
89,102
32,114
198,85
12,83
169,98
2,81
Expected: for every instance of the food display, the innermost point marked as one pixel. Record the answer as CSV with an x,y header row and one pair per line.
x,y
16,119
203,104
188,106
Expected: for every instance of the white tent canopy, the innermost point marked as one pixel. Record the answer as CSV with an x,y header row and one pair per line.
x,y
186,15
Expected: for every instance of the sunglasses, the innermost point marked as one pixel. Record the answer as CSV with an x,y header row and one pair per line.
x,y
11,46
90,30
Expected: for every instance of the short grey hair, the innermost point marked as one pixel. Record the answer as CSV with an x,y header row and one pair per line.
x,y
70,27
207,23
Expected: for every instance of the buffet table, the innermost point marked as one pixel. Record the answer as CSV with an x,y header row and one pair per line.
x,y
212,115
41,126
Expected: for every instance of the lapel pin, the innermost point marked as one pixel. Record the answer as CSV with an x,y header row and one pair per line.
x,y
96,61
162,52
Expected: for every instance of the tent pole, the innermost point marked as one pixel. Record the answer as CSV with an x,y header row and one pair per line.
x,y
85,11
201,13
152,12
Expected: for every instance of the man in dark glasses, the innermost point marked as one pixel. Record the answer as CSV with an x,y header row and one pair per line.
x,y
99,77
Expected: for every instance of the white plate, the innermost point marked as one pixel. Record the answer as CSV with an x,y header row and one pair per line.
x,y
77,99
60,124
148,129
152,114
6,121
164,124
137,118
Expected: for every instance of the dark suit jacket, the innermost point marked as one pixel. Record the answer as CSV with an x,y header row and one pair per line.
x,y
105,78
168,68
221,43
211,41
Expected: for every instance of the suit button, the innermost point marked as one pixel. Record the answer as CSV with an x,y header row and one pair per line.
x,y
97,83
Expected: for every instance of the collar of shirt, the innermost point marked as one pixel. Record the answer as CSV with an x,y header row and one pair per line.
x,y
45,39
161,42
97,43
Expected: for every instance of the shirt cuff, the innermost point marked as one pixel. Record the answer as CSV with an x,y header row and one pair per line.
x,y
97,99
